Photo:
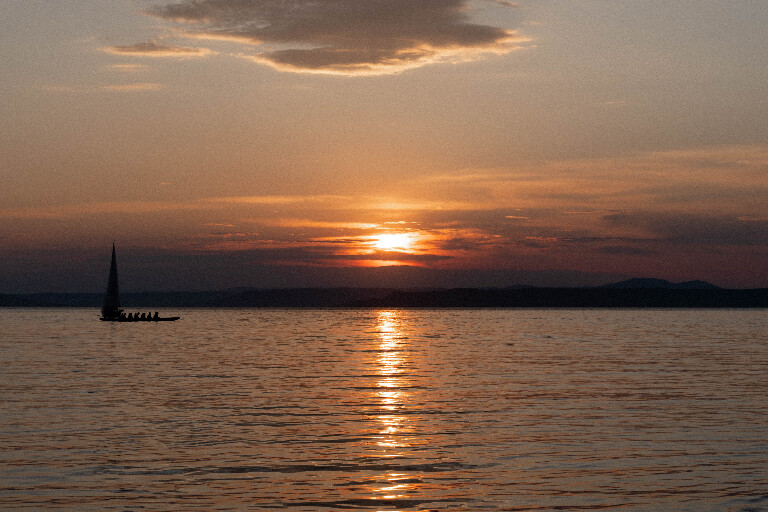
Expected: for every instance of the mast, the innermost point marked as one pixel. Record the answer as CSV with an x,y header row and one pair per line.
x,y
112,298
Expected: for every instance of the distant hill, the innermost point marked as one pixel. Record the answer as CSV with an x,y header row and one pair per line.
x,y
633,293
16,301
576,298
645,282
230,298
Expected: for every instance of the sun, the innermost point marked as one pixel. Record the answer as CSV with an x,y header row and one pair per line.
x,y
393,241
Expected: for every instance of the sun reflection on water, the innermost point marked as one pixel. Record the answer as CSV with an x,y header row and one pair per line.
x,y
395,429
391,361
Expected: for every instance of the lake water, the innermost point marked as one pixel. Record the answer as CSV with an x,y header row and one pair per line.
x,y
390,410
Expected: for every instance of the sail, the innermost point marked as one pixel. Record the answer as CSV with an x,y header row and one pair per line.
x,y
112,298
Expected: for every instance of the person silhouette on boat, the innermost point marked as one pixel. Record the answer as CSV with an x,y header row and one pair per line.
x,y
155,317
143,316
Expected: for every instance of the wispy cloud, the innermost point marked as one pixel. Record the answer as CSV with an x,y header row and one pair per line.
x,y
155,49
726,230
728,179
337,36
98,208
310,223
90,89
65,88
133,87
506,3
128,68
278,199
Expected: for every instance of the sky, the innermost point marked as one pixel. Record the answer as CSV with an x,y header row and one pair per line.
x,y
397,143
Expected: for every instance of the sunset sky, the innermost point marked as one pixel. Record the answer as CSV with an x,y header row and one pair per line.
x,y
286,143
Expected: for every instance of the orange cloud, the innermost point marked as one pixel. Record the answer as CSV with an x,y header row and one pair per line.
x,y
278,199
155,49
134,87
309,223
128,68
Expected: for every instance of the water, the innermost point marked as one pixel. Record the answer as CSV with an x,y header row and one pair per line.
x,y
402,410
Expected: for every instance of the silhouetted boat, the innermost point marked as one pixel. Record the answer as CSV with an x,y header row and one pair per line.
x,y
112,312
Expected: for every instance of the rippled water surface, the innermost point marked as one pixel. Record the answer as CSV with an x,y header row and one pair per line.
x,y
402,410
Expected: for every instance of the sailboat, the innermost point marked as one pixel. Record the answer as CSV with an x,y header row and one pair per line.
x,y
112,312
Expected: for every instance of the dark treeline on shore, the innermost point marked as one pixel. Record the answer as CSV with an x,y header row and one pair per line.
x,y
635,293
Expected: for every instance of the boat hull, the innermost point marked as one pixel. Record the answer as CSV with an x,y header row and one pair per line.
x,y
159,319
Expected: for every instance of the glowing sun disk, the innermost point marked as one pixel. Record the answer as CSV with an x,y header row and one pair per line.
x,y
392,241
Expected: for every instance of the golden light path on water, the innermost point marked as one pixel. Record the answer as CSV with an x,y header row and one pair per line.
x,y
392,396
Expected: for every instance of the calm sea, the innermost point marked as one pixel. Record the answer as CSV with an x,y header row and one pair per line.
x,y
385,410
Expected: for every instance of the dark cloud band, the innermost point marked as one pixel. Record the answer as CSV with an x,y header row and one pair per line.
x,y
343,36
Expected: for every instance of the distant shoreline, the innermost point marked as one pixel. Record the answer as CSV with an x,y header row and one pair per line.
x,y
519,297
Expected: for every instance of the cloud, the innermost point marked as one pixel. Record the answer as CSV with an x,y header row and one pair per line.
x,y
728,179
339,36
623,250
322,252
155,49
507,3
130,87
77,211
128,68
727,230
279,200
134,87
310,223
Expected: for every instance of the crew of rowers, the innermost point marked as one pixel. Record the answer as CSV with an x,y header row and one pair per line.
x,y
132,317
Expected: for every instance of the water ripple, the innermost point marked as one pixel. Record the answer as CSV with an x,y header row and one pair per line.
x,y
461,410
